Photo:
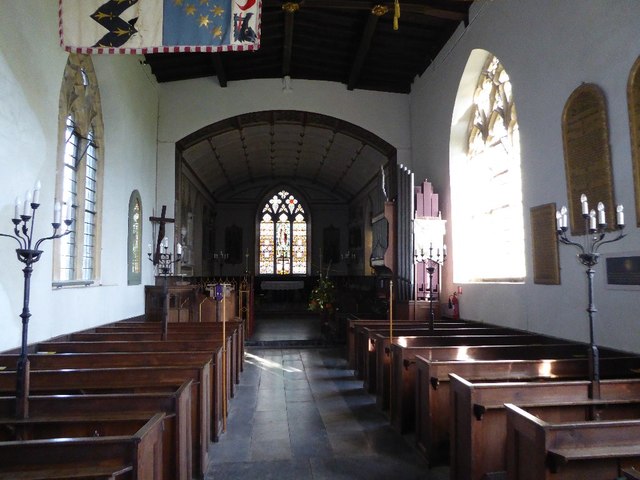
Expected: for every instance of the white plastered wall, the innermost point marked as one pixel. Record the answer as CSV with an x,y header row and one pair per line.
x,y
548,48
31,68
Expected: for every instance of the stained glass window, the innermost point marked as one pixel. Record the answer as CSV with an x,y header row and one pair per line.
x,y
134,256
283,236
487,192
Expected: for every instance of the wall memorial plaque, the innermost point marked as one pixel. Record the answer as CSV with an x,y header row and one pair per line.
x,y
587,155
546,263
633,99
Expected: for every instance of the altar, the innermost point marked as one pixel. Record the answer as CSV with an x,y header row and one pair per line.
x,y
282,285
282,294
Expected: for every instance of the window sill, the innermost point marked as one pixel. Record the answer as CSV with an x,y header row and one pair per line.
x,y
72,283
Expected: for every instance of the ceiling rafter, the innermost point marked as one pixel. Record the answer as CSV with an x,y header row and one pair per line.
x,y
220,163
272,148
243,145
220,71
298,156
365,44
325,154
349,165
289,8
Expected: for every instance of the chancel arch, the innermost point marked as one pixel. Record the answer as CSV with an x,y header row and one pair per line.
x,y
230,164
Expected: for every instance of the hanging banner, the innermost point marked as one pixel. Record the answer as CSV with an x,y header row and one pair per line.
x,y
159,26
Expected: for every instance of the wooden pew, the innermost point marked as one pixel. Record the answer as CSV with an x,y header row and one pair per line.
x,y
132,379
361,338
213,348
630,473
398,394
232,369
177,422
563,442
353,341
433,407
479,419
42,361
185,331
379,341
135,456
235,328
354,323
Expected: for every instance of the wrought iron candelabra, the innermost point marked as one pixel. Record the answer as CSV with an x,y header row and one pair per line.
x,y
29,252
163,260
431,261
595,225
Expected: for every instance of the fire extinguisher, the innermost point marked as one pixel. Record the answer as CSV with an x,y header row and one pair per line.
x,y
454,306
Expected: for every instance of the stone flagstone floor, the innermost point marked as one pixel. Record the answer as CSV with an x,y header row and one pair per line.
x,y
300,414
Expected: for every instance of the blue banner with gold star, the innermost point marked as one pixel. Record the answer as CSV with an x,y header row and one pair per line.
x,y
159,26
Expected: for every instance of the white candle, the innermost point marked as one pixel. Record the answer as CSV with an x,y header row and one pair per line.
x,y
165,242
558,220
16,214
601,214
56,212
27,203
592,219
64,211
444,250
179,249
150,249
563,212
585,205
36,192
620,215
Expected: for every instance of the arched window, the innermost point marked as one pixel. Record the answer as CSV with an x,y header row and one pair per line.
x,y
134,243
486,185
79,177
283,236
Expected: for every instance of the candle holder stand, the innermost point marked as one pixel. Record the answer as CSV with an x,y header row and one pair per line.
x,y
432,262
594,238
28,253
163,261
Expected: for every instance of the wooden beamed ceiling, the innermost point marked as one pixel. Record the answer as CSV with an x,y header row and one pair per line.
x,y
348,41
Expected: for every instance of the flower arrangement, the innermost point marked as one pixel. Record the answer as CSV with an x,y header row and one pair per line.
x,y
322,296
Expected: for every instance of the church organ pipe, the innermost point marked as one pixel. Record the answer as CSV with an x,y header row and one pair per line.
x,y
404,234
411,289
399,234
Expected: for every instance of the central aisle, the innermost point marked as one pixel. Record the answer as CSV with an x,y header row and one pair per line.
x,y
300,414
